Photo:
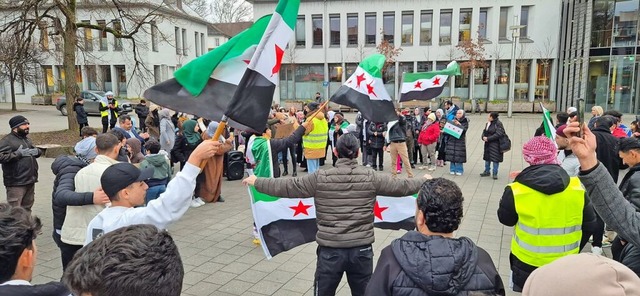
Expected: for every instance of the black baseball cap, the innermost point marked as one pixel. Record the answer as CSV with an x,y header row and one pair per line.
x,y
121,175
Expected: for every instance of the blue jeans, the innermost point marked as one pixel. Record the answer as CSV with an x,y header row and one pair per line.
x,y
487,167
313,165
456,167
154,192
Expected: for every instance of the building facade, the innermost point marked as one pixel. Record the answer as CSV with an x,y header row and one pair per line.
x,y
106,63
601,54
331,37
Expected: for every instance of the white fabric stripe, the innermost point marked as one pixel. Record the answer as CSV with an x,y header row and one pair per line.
x,y
232,70
271,211
378,85
399,208
426,83
277,33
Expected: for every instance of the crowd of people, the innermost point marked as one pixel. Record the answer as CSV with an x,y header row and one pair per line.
x,y
113,200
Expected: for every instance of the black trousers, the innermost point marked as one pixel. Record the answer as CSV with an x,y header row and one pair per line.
x,y
290,151
598,233
80,126
333,262
108,125
416,152
66,251
376,153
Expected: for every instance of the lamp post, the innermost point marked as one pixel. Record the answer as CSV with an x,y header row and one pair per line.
x,y
515,34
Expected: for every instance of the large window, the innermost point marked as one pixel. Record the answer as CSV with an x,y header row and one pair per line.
x,y
334,28
405,67
445,27
464,30
521,88
88,37
185,48
370,28
196,39
104,42
524,21
352,29
44,38
482,26
502,72
154,36
602,23
117,42
504,20
316,20
407,28
176,32
389,26
300,33
335,72
426,18
424,66
309,72
625,27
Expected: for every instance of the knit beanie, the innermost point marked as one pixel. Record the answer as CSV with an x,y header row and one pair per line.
x,y
432,117
540,150
17,121
582,274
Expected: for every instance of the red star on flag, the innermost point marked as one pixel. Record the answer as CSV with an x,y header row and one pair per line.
x,y
300,209
279,54
377,210
246,61
418,85
436,81
370,89
360,78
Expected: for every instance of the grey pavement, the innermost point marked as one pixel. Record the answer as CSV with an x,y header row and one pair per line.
x,y
215,240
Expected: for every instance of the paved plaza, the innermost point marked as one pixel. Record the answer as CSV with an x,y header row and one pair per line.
x,y
215,240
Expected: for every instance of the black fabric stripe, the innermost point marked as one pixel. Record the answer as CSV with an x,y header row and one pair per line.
x,y
284,235
373,110
251,103
406,224
426,94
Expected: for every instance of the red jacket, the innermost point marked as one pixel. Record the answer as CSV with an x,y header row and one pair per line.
x,y
429,134
619,133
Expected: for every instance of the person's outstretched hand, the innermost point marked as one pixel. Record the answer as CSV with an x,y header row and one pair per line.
x,y
203,152
584,148
249,181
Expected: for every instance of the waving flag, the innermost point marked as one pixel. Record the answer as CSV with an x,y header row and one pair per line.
x,y
549,129
426,85
365,91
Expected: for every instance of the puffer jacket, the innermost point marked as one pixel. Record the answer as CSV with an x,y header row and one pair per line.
x,y
18,170
630,188
548,179
421,265
81,114
376,142
64,192
456,149
494,132
429,134
344,197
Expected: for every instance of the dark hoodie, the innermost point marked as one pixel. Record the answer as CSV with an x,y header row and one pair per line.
x,y
548,179
418,264
48,289
64,192
81,114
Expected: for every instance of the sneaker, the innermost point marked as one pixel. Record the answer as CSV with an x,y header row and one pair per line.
x,y
485,174
596,250
452,173
458,174
220,199
432,168
421,168
195,204
368,165
495,177
606,244
200,201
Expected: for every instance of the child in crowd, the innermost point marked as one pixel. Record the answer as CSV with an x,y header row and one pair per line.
x,y
161,170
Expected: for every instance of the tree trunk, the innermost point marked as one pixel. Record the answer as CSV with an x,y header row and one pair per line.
x,y
69,61
12,81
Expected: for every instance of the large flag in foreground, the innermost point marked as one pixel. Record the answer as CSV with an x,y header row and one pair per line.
x,y
426,85
549,129
205,86
365,91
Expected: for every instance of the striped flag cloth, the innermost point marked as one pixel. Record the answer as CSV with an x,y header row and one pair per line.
x,y
549,129
453,129
426,85
365,91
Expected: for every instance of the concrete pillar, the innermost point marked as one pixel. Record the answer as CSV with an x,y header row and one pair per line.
x,y
85,81
114,80
553,73
492,80
56,77
452,84
533,79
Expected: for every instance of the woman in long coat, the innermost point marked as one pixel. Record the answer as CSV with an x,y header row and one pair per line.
x,y
456,149
211,188
491,136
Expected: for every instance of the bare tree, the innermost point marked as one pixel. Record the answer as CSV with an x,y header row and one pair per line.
x,y
20,60
59,18
545,54
390,53
497,53
201,7
451,54
360,52
290,56
473,51
230,11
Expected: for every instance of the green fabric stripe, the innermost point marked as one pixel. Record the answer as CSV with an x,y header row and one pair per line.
x,y
195,75
288,9
373,65
449,71
261,197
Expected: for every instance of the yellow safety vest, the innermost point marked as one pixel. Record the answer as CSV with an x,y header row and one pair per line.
x,y
317,138
549,226
106,112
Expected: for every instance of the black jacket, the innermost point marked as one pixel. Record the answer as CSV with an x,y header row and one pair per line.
x,y
456,149
492,146
81,114
548,179
398,132
281,145
607,150
376,142
630,188
142,110
48,289
18,170
420,265
65,169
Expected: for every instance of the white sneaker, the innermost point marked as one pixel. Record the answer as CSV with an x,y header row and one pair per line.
x,y
200,201
432,168
195,204
452,173
458,174
596,250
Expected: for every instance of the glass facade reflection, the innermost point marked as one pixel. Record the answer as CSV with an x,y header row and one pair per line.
x,y
614,64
